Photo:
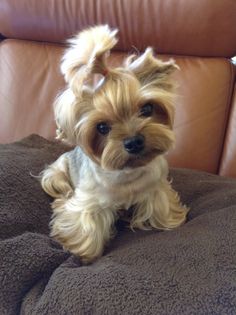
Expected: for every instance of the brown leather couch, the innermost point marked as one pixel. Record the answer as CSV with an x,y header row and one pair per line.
x,y
190,270
200,35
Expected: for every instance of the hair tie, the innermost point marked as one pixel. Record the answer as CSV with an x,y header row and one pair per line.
x,y
105,72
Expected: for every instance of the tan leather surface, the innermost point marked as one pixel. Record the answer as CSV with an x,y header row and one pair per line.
x,y
30,79
228,163
192,27
202,108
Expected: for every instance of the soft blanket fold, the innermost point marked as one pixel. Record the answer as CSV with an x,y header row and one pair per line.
x,y
190,270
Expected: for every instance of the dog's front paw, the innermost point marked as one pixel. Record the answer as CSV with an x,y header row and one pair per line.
x,y
82,232
87,245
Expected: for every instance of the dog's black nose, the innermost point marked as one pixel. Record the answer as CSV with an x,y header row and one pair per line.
x,y
134,144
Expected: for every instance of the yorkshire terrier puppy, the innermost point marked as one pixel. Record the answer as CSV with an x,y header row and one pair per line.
x,y
121,128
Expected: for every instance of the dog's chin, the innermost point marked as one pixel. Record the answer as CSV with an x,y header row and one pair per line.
x,y
131,161
142,159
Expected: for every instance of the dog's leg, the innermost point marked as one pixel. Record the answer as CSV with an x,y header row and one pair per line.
x,y
55,179
162,210
82,227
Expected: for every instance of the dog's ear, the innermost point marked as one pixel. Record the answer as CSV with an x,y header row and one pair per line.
x,y
149,69
87,55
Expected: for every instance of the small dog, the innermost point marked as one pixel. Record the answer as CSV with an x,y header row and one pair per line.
x,y
121,128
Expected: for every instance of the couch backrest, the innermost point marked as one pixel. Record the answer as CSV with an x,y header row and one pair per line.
x,y
200,35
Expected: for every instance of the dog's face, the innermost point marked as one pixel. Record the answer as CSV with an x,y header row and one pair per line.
x,y
126,121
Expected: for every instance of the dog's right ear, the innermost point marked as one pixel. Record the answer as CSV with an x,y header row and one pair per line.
x,y
66,116
87,55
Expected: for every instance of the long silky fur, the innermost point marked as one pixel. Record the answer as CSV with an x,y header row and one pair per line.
x,y
94,182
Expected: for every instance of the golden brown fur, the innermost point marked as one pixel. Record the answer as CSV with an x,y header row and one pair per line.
x,y
92,183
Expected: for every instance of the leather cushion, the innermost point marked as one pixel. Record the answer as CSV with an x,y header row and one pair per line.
x,y
30,80
197,28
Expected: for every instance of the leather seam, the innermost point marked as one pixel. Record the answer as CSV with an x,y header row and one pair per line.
x,y
229,108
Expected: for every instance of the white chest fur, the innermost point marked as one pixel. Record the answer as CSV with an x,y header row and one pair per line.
x,y
117,189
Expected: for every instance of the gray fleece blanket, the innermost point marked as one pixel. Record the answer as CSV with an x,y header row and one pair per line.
x,y
191,270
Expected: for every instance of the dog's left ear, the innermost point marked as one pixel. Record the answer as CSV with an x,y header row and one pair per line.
x,y
149,69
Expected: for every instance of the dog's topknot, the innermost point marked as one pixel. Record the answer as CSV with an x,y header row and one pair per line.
x,y
87,55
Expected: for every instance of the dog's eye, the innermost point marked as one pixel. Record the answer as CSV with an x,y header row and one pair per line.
x,y
103,128
146,110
